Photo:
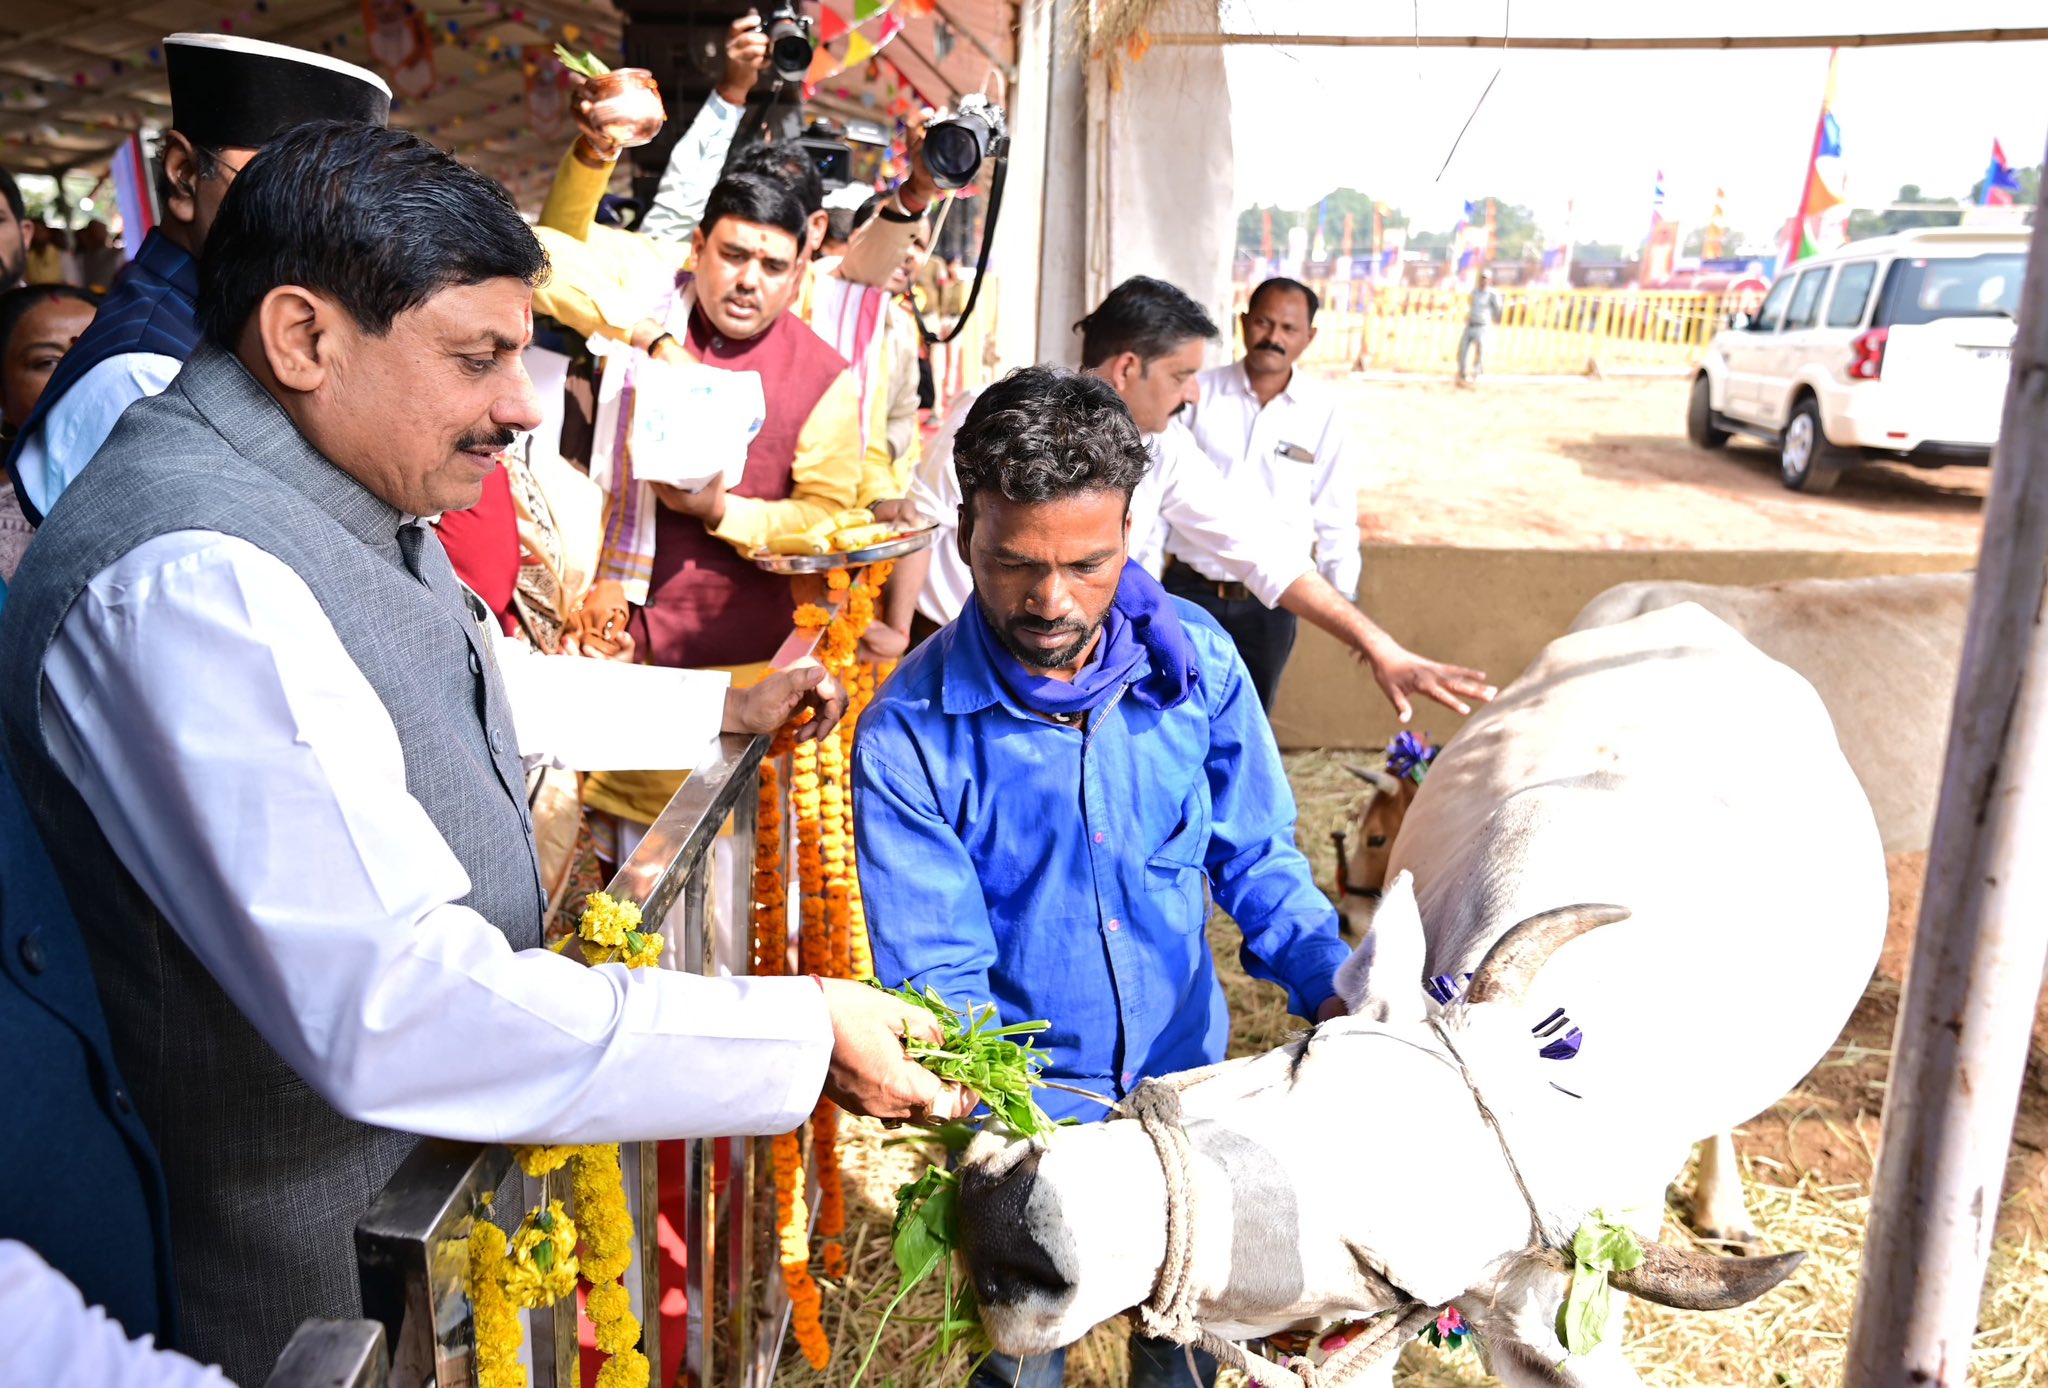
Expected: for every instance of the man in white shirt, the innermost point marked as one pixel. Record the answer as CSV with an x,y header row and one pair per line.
x,y
1260,420
271,754
1146,339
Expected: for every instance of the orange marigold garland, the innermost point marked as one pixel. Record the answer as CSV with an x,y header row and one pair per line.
x,y
832,928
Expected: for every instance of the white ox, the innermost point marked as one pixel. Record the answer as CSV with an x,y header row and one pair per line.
x,y
1883,654
1662,764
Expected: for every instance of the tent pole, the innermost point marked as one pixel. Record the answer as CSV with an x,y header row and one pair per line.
x,y
1960,1051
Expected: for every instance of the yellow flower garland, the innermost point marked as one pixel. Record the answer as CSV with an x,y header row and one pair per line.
x,y
539,1265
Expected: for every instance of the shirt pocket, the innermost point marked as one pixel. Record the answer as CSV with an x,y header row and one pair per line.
x,y
1174,875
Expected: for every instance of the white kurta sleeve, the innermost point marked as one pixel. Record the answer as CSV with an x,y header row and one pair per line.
x,y
602,715
54,1340
1227,520
693,168
79,423
1334,506
247,774
935,491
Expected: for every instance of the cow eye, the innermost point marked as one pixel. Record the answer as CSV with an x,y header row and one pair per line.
x,y
1375,840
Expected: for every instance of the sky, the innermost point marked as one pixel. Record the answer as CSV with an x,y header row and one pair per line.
x,y
1591,131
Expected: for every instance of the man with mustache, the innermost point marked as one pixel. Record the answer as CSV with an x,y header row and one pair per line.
x,y
1048,791
1260,420
271,749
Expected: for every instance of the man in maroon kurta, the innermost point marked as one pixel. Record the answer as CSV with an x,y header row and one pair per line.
x,y
706,603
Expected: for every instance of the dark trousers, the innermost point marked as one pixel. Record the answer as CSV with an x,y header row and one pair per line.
x,y
1264,635
1154,1364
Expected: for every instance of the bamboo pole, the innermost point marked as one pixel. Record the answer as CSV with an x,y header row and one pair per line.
x,y
1960,1051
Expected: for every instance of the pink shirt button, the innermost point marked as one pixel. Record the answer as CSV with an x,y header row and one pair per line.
x,y
1114,923
1098,836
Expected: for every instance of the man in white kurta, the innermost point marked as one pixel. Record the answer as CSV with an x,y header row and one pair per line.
x,y
1262,422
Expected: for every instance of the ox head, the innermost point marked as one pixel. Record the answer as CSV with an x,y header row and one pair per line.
x,y
1347,1172
1363,864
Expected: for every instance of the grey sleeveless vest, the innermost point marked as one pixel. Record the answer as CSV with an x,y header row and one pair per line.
x,y
266,1180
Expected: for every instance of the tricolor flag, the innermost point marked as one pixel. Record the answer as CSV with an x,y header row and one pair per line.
x,y
1822,223
2001,180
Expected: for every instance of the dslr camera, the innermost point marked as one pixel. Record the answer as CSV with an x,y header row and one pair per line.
x,y
955,144
789,41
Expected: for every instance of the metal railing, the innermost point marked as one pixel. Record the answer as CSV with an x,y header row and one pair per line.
x,y
412,1243
333,1354
1541,331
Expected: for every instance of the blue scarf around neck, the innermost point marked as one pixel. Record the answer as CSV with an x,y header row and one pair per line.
x,y
1143,645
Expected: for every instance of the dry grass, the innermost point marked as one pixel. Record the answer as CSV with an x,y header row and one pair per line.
x,y
1794,1338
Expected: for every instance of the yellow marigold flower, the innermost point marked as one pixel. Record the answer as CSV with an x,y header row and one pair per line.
x,y
543,1266
629,1369
606,921
539,1161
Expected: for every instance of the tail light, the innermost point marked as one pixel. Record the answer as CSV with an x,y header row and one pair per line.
x,y
1869,349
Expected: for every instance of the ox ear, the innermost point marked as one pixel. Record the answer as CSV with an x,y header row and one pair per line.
x,y
1383,977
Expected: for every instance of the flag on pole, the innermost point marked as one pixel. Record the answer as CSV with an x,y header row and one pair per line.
x,y
1822,223
2001,180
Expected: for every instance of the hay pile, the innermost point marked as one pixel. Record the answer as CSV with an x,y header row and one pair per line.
x,y
1806,1165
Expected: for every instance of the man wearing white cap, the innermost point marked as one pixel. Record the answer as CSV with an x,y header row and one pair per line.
x,y
229,97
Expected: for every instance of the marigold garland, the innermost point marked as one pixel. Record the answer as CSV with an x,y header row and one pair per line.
x,y
539,1263
497,1320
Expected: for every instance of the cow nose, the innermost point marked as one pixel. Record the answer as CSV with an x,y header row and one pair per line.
x,y
1007,1263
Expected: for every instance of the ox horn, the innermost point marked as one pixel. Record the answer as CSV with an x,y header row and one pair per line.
x,y
1516,957
1378,780
1688,1280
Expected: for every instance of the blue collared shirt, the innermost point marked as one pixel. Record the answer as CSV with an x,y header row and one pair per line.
x,y
1066,875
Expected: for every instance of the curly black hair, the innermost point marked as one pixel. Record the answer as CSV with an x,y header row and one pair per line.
x,y
1042,433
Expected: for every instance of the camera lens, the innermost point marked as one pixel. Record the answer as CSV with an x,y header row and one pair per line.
x,y
790,53
953,150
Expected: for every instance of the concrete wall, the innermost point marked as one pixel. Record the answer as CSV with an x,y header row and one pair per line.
x,y
1494,609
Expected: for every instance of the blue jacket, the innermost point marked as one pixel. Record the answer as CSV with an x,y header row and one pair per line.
x,y
153,307
1067,877
84,1188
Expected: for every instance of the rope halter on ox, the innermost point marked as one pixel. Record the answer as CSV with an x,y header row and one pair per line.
x,y
1170,1313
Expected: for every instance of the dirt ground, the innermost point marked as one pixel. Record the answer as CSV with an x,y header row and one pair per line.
x,y
1568,463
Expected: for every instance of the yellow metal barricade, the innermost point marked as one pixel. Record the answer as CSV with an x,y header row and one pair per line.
x,y
1542,332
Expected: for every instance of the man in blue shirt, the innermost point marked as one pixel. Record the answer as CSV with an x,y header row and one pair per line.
x,y
1048,791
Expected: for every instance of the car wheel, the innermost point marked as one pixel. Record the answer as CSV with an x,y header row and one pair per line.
x,y
1806,461
1699,416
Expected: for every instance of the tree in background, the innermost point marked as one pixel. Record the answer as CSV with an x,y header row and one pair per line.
x,y
1335,203
1867,222
1597,250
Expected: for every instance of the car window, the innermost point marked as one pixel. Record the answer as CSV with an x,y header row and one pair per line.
x,y
1805,310
1852,293
1980,286
1766,320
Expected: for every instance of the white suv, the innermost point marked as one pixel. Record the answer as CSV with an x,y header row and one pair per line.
x,y
1896,348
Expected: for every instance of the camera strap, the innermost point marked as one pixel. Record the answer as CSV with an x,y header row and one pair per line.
x,y
988,237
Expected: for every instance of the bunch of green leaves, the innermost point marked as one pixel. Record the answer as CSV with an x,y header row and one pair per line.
x,y
583,64
1601,1246
973,1051
927,1233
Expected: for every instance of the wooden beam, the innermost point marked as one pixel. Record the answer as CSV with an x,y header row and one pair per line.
x,y
1009,70
1959,1054
1733,42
